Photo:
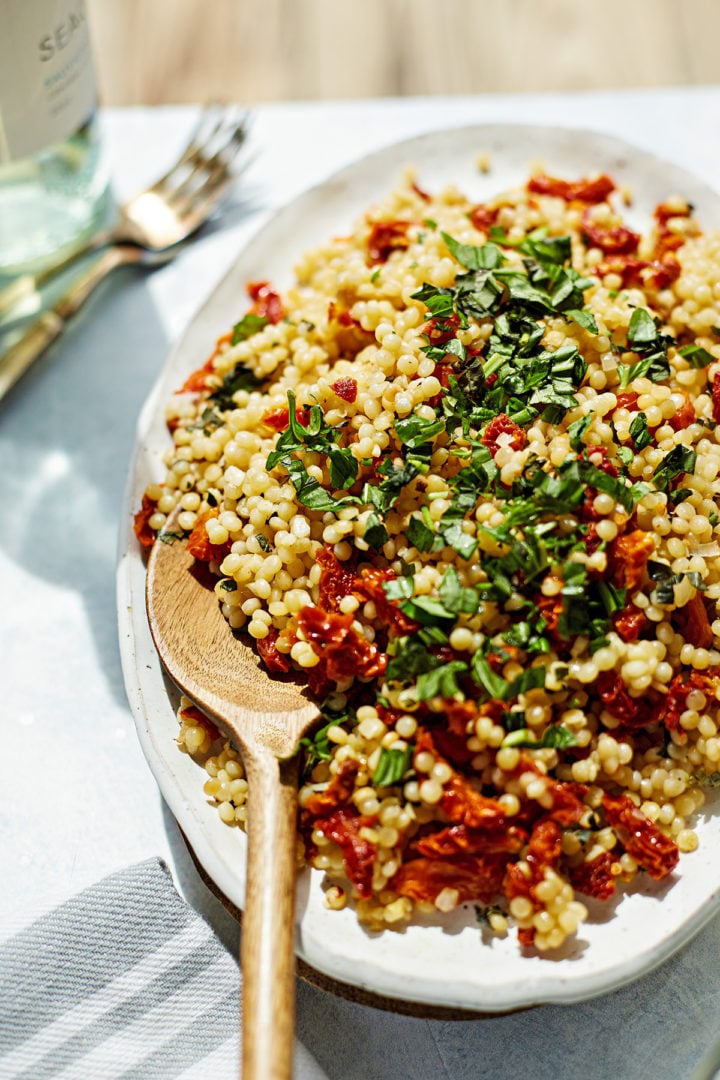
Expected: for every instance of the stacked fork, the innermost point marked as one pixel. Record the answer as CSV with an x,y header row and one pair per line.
x,y
150,229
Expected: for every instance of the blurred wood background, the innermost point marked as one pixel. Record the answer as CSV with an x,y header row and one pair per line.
x,y
166,51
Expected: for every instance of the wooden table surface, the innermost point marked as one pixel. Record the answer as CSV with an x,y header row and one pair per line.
x,y
151,52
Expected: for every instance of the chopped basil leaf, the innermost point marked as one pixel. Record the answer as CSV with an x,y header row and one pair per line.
x,y
238,378
455,597
399,588
577,430
484,676
583,318
343,468
419,533
441,681
168,537
392,766
654,367
263,542
486,257
249,324
640,432
317,747
696,356
310,491
427,611
679,461
375,532
665,581
556,736
413,431
642,329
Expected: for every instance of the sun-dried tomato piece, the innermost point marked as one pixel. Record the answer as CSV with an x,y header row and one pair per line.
x,y
346,389
641,838
270,655
336,579
369,586
475,877
198,543
716,397
628,399
598,456
461,802
666,240
192,713
341,316
338,791
279,419
460,839
345,652
551,609
684,415
674,703
587,191
630,623
595,878
198,380
386,237
453,747
319,683
420,192
545,848
628,556
612,691
359,854
663,212
440,329
460,714
502,425
266,302
543,853
664,271
642,273
567,796
693,623
613,239
141,528
483,217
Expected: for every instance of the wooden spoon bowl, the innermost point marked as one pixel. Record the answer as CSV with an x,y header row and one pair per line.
x,y
264,717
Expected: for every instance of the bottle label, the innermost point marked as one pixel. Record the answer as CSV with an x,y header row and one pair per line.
x,y
47,82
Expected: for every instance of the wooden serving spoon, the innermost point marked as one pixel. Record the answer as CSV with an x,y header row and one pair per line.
x,y
265,717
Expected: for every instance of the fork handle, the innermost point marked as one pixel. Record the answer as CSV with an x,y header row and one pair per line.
x,y
35,340
29,285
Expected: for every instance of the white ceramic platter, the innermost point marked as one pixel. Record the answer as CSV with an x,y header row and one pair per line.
x,y
449,962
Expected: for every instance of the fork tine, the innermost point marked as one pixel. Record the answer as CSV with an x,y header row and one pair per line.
x,y
210,126
206,169
198,136
197,211
185,203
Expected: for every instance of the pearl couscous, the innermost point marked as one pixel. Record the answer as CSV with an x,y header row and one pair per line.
x,y
464,476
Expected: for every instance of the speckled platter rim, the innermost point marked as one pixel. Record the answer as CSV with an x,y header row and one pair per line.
x,y
450,963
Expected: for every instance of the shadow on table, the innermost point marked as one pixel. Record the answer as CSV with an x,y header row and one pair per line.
x,y
66,434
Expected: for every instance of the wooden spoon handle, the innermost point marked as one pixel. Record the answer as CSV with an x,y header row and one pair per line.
x,y
268,931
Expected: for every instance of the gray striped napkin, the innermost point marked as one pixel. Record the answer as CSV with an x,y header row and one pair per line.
x,y
124,980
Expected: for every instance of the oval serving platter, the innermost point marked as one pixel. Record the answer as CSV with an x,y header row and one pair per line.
x,y
451,962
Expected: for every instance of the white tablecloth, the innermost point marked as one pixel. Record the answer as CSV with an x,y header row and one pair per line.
x,y
77,800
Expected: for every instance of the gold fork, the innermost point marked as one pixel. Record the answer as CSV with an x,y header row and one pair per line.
x,y
150,229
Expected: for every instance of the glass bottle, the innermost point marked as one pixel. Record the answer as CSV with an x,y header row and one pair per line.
x,y
53,181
